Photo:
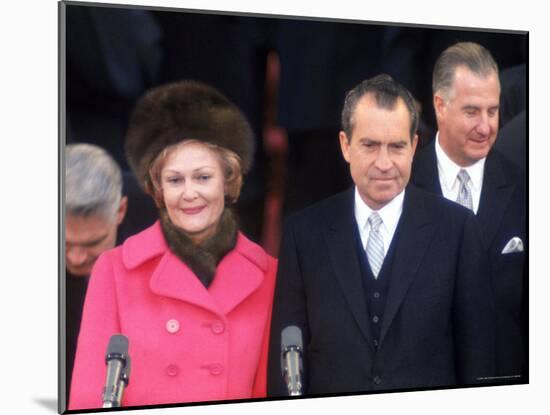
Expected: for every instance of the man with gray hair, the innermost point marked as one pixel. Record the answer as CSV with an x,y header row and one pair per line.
x,y
94,206
462,165
103,206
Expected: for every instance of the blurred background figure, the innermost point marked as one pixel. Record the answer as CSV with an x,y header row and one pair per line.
x,y
512,136
94,209
94,206
97,196
113,56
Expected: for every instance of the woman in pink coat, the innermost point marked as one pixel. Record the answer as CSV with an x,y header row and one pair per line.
x,y
191,293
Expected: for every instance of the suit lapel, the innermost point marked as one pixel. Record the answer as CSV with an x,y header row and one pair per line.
x,y
495,196
424,172
342,251
414,232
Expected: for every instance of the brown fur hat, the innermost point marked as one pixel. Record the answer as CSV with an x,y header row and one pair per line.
x,y
183,110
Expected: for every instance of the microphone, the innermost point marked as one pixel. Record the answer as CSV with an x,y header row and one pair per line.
x,y
118,371
291,359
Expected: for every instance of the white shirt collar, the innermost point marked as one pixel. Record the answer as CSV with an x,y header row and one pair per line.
x,y
448,169
390,213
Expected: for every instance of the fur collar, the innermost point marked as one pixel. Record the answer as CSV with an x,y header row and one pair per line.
x,y
202,259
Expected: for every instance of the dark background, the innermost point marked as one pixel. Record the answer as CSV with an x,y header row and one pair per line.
x,y
289,76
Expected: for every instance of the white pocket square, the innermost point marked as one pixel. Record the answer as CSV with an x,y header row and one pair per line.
x,y
514,245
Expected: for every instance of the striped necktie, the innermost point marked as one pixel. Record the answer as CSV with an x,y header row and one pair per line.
x,y
464,192
375,244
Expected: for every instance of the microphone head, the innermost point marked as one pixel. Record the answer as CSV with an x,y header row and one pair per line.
x,y
117,348
291,336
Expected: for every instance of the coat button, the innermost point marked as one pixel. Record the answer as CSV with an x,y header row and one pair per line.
x,y
375,319
172,370
218,327
172,326
376,294
216,369
377,380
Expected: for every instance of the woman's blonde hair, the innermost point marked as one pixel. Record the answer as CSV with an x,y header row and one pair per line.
x,y
229,161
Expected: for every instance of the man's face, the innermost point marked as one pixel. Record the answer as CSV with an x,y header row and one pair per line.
x,y
468,119
87,237
380,151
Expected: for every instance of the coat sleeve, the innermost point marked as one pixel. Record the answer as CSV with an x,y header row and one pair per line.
x,y
474,311
289,308
99,322
260,380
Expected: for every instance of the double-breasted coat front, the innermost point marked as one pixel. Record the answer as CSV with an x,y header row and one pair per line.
x,y
187,343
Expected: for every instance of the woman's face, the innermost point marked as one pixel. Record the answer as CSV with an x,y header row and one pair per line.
x,y
193,190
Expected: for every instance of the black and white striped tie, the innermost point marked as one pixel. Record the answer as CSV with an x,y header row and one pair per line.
x,y
375,244
464,192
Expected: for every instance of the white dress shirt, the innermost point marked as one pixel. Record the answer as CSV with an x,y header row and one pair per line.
x,y
389,214
448,176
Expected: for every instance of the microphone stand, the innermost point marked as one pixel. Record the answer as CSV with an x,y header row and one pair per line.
x,y
123,381
292,358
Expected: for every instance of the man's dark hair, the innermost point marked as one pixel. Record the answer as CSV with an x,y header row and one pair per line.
x,y
386,91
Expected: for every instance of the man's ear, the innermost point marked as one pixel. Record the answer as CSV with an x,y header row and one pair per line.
x,y
439,106
122,209
344,145
414,143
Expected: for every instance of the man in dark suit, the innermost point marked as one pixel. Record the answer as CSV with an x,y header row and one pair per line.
x,y
386,282
461,165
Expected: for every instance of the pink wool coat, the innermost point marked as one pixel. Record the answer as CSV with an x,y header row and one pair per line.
x,y
187,343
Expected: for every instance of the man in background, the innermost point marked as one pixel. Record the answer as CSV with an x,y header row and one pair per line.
x,y
462,165
97,218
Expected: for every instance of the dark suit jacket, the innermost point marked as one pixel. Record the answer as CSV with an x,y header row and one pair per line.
x,y
501,215
437,324
512,140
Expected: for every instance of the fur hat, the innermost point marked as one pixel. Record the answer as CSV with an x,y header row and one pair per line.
x,y
172,113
